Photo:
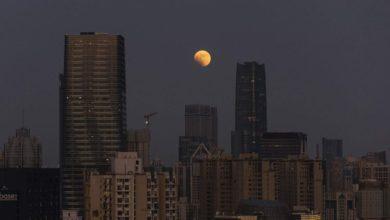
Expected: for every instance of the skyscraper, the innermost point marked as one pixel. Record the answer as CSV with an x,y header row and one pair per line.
x,y
251,107
130,192
92,109
332,149
202,121
201,127
22,150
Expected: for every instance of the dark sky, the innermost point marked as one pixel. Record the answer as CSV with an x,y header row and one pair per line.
x,y
326,62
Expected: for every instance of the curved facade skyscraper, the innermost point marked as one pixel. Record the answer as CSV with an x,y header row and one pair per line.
x,y
22,150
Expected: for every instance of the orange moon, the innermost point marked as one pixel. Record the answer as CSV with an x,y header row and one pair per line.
x,y
203,58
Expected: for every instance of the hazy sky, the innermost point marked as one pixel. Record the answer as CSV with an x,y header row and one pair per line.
x,y
327,64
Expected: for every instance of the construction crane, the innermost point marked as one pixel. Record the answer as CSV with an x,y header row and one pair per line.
x,y
147,118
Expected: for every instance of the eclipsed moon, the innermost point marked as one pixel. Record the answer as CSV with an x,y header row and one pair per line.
x,y
203,58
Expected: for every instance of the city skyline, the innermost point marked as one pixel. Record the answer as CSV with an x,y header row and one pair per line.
x,y
299,83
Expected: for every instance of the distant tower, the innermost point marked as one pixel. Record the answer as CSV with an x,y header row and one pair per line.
x,y
251,107
332,149
22,150
92,110
138,140
202,121
201,126
332,154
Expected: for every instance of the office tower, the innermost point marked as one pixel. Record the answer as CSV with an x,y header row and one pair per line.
x,y
22,150
250,107
201,127
92,109
139,141
340,205
277,145
130,192
202,121
29,193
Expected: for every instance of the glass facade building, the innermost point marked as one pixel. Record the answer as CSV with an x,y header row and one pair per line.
x,y
92,109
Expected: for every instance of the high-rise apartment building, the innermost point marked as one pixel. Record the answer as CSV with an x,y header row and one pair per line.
x,y
371,200
139,141
161,194
219,182
366,170
250,107
22,150
300,182
130,192
92,109
112,195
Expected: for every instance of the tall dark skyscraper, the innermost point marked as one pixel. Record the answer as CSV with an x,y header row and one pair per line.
x,y
251,107
92,109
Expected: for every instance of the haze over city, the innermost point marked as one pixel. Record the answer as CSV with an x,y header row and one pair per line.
x,y
326,64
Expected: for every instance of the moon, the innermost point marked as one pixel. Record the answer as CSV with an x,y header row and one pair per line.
x,y
203,58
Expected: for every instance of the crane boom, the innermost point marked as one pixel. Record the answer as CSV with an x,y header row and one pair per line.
x,y
147,118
